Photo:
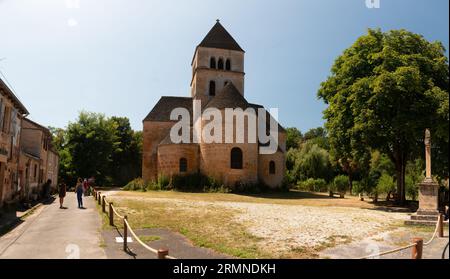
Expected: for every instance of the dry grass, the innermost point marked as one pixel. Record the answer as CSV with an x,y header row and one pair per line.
x,y
204,220
211,228
288,198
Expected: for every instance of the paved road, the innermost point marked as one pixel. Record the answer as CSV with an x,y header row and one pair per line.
x,y
54,233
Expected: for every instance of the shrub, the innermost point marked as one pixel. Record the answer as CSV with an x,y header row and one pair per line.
x,y
254,188
137,184
313,185
358,187
385,184
340,184
412,187
163,182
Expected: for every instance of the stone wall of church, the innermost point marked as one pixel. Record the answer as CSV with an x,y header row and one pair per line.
x,y
153,134
215,161
215,158
272,180
169,156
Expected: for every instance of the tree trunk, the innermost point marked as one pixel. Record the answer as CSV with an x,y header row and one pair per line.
x,y
400,167
350,184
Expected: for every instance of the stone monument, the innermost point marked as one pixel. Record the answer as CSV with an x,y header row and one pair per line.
x,y
428,212
428,189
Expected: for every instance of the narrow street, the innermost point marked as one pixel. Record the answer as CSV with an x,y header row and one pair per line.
x,y
54,233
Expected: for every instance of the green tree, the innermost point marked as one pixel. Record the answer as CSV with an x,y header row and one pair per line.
x,y
317,136
310,161
59,141
414,175
385,185
91,141
383,92
126,157
293,138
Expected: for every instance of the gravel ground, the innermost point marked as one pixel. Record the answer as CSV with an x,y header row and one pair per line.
x,y
286,227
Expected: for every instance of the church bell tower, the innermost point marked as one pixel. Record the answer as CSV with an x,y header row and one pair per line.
x,y
218,60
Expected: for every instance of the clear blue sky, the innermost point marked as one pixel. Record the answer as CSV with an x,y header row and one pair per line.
x,y
119,56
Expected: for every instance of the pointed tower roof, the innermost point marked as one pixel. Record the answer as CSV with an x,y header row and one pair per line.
x,y
218,37
229,97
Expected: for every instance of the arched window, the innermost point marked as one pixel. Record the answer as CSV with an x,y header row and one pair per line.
x,y
220,64
183,165
236,158
212,88
225,83
228,65
212,63
272,167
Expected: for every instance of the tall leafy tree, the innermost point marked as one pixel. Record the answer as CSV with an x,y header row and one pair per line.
x,y
126,157
91,141
309,161
293,138
383,92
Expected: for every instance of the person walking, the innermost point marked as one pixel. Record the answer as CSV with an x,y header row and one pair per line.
x,y
62,193
79,190
86,187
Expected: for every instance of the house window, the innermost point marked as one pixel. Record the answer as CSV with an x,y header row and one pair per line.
x,y
228,65
212,88
225,83
220,64
183,165
236,158
6,120
212,63
272,167
35,172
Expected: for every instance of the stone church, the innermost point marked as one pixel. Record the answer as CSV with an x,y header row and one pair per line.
x,y
218,82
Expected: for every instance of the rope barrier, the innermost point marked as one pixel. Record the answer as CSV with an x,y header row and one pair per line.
x,y
388,252
139,240
408,246
132,232
435,231
116,213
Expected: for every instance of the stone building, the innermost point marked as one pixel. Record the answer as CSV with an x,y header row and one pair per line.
x,y
12,112
218,82
39,161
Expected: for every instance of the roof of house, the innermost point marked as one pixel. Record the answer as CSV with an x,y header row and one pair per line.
x,y
37,125
218,37
228,97
161,111
8,92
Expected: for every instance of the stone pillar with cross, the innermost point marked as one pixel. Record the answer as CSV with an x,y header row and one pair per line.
x,y
428,188
428,211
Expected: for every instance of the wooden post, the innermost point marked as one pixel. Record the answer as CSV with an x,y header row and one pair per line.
x,y
99,200
441,225
162,253
103,204
111,214
416,252
125,233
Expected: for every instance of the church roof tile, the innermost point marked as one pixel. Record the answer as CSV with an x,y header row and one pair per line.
x,y
218,37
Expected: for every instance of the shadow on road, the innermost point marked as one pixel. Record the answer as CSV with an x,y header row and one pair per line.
x,y
13,217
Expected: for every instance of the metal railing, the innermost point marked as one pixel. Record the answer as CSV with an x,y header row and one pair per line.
x,y
112,211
